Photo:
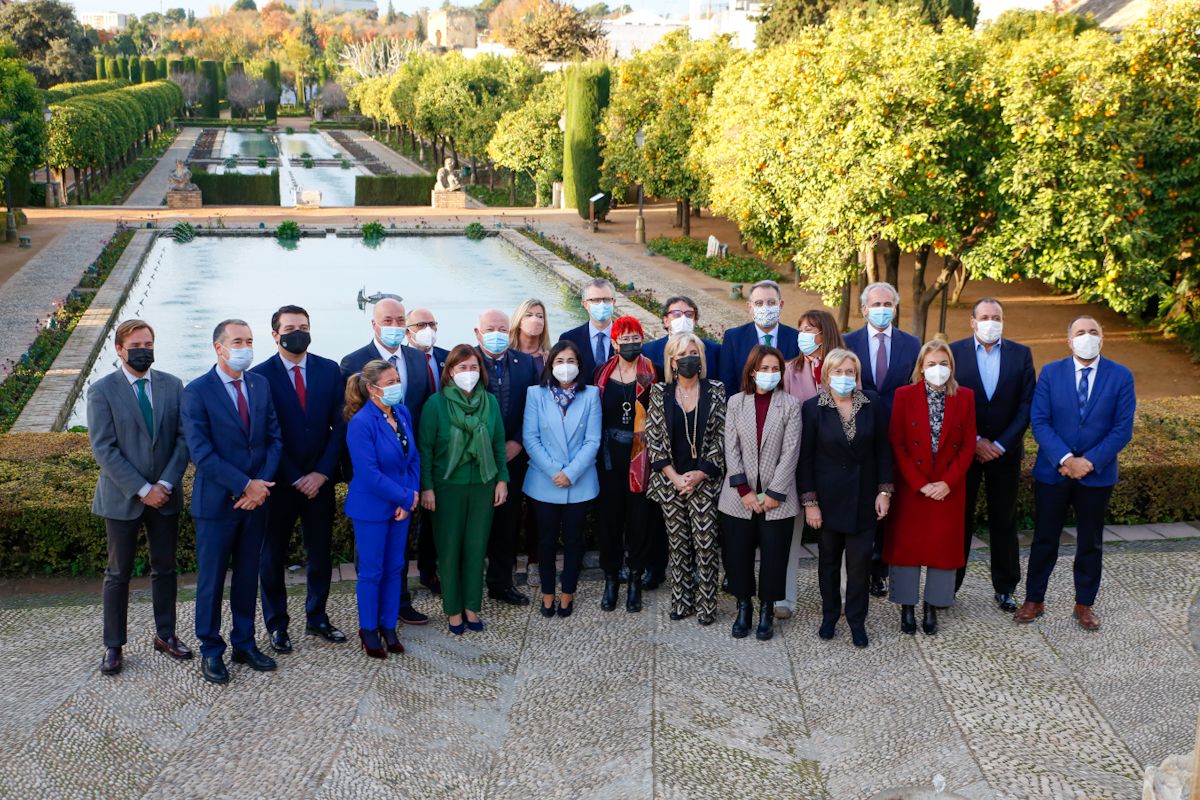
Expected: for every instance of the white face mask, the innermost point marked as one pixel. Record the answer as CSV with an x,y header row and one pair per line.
x,y
466,380
682,325
1086,346
425,338
766,316
565,373
989,330
937,375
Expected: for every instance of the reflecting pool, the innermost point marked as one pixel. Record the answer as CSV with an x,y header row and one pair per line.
x,y
335,184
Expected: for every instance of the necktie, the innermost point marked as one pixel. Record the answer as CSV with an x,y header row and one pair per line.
x,y
301,392
601,352
243,406
767,339
1083,389
881,362
144,403
433,386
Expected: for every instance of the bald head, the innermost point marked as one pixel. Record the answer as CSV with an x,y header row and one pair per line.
x,y
388,323
492,331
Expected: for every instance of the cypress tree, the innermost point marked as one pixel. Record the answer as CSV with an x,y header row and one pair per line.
x,y
587,97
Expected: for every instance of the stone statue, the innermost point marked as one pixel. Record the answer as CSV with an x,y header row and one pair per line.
x,y
447,178
180,179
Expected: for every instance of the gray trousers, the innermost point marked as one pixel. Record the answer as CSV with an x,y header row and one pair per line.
x,y
162,531
905,586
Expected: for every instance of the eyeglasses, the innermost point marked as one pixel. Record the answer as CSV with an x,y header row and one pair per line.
x,y
676,314
629,340
423,325
600,300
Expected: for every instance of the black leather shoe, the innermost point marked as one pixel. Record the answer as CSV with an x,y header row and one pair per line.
x,y
878,587
111,663
678,615
434,585
859,637
633,597
254,658
1006,603
326,632
173,647
929,623
608,600
828,629
766,623
548,611
908,620
410,616
741,622
705,619
372,643
280,642
391,641
510,596
213,669
566,610
651,580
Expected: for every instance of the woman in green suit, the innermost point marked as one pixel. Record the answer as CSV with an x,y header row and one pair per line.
x,y
464,475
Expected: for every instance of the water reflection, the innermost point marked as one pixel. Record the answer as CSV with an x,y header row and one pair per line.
x,y
335,184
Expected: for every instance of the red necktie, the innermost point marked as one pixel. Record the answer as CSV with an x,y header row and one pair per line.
x,y
243,407
429,366
301,394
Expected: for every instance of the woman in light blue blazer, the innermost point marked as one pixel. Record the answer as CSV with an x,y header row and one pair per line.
x,y
562,438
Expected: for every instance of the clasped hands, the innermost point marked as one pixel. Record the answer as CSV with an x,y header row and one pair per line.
x,y
254,495
686,483
1075,468
402,512
158,496
986,450
754,506
938,490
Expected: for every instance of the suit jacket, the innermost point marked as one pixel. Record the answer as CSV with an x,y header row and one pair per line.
x,y
843,476
660,413
386,476
581,337
1103,430
905,349
129,457
558,443
226,456
738,343
313,437
417,390
1005,417
519,373
771,465
657,350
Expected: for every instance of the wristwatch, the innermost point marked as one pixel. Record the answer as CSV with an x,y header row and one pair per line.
x,y
886,494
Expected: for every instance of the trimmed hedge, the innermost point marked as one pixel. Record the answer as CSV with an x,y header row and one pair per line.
x,y
392,190
587,96
234,189
47,481
61,91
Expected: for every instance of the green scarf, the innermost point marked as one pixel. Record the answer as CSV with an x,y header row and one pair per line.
x,y
470,434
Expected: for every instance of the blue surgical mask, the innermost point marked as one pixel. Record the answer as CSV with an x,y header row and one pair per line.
x,y
881,316
391,335
807,342
495,342
767,381
842,385
392,395
601,312
240,358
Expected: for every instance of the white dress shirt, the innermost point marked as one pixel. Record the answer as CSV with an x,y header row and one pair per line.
x,y
1079,367
133,379
773,333
607,341
401,367
873,350
290,368
231,390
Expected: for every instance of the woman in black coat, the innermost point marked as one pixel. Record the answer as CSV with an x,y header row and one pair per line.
x,y
844,476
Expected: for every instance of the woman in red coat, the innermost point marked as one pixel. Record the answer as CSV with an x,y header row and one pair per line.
x,y
933,441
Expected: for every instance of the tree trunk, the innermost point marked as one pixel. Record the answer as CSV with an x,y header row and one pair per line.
x,y
686,207
843,317
696,212
866,258
491,175
678,223
961,276
512,188
453,151
924,296
888,253
474,171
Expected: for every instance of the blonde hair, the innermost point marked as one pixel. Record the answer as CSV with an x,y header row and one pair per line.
x,y
514,325
835,358
357,393
932,346
675,345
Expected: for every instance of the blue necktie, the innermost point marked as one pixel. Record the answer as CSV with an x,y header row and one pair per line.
x,y
1083,390
600,354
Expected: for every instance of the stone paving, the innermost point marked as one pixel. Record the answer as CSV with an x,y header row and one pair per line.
x,y
625,706
153,188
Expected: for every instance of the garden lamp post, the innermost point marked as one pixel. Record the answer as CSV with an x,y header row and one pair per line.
x,y
47,115
639,230
10,219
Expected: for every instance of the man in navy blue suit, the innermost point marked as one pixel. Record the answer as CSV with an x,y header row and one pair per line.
x,y
422,337
888,357
766,306
594,337
1000,373
307,392
1082,418
234,440
389,324
680,315
510,374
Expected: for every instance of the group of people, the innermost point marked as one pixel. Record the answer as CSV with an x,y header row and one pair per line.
x,y
690,453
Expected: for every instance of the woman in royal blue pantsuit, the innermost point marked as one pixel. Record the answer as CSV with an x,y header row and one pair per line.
x,y
383,492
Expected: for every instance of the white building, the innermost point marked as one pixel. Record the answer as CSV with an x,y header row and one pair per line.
x,y
636,32
737,19
332,6
105,20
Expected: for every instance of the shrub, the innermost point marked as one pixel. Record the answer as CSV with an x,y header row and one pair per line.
x,y
392,190
288,230
372,230
475,231
735,269
232,189
183,232
587,97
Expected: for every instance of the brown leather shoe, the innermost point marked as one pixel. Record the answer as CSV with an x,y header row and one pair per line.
x,y
1029,611
172,647
111,664
1086,617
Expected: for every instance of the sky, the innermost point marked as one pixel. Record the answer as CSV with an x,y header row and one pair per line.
x,y
675,8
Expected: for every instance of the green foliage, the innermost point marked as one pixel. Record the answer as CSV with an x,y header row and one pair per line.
x,y
123,180
372,230
732,268
183,232
234,189
587,95
135,70
212,96
502,194
23,136
555,31
61,91
474,231
391,190
528,139
783,20
49,40
288,230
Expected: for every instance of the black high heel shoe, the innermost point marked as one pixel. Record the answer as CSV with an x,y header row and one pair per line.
x,y
476,626
391,640
548,611
908,620
929,623
371,644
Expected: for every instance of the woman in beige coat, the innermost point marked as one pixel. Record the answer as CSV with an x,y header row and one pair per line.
x,y
758,502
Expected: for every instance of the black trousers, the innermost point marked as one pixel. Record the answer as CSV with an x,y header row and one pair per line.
x,y
162,534
740,538
506,521
857,548
658,551
1001,479
624,516
316,526
878,568
1051,503
420,530
563,520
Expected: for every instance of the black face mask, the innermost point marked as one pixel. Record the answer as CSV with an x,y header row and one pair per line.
x,y
139,359
295,342
630,352
687,366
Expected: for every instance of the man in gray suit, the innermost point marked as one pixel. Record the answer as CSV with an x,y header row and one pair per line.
x,y
137,439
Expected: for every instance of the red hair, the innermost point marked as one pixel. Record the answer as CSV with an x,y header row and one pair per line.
x,y
626,325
